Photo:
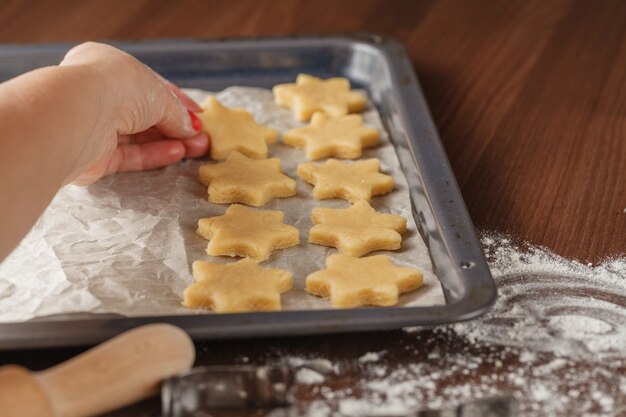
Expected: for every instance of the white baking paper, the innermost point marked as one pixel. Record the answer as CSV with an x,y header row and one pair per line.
x,y
125,244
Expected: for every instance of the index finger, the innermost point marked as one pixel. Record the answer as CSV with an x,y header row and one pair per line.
x,y
145,156
184,98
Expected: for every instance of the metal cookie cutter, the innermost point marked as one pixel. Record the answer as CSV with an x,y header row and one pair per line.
x,y
203,391
211,390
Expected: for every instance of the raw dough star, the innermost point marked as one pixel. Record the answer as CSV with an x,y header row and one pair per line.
x,y
343,137
244,231
234,130
240,179
310,94
351,181
236,287
354,282
357,230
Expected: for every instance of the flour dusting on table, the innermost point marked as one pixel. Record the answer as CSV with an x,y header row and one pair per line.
x,y
555,340
550,303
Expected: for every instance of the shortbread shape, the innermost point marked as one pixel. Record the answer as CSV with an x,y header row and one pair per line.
x,y
353,282
243,231
311,94
236,287
234,130
342,137
356,230
352,181
240,179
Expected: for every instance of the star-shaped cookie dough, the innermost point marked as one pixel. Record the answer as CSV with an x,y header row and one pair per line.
x,y
234,130
343,137
354,282
310,94
351,181
357,230
236,287
240,179
243,231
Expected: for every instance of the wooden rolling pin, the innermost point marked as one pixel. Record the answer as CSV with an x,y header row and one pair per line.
x,y
116,373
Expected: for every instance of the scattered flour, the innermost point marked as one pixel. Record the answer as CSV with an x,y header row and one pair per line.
x,y
546,302
370,357
555,340
320,365
308,376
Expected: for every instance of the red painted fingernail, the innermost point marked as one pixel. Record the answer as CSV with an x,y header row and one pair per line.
x,y
195,122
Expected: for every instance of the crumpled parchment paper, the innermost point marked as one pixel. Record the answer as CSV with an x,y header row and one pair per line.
x,y
125,244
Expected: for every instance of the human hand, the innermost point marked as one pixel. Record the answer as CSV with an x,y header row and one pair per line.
x,y
144,121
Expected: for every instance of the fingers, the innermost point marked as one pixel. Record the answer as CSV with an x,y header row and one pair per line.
x,y
195,146
144,153
167,113
184,98
139,97
144,98
153,121
149,135
134,157
175,111
145,156
155,154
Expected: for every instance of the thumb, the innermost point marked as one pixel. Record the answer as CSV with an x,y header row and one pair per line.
x,y
176,120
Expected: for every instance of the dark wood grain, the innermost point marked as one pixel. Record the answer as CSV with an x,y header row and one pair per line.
x,y
529,98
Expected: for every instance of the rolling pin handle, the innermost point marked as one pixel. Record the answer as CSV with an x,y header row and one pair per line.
x,y
119,372
21,395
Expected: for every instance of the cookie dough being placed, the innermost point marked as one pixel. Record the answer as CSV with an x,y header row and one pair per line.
x,y
234,130
357,230
310,94
342,137
240,179
352,181
236,287
353,282
243,231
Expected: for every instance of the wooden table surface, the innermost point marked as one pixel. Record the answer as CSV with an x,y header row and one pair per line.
x,y
529,98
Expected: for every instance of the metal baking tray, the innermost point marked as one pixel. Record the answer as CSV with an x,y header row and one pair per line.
x,y
378,64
